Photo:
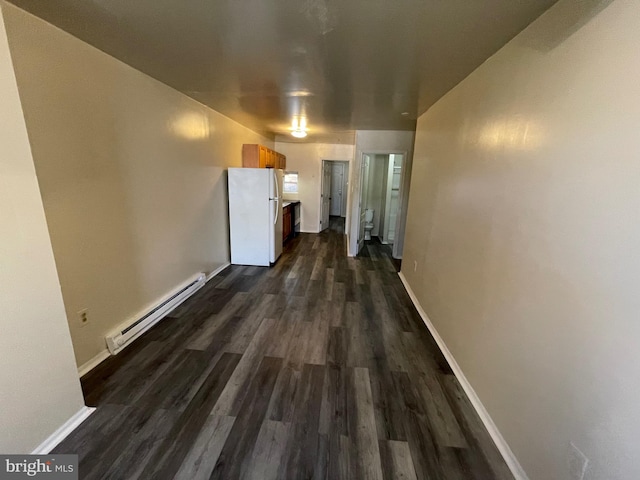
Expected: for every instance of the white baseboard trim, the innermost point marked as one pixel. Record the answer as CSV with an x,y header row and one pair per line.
x,y
217,271
65,429
498,439
93,363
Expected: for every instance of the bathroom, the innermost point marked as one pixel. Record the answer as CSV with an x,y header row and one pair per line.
x,y
381,182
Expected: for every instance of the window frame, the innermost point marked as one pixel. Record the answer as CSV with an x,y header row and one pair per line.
x,y
296,183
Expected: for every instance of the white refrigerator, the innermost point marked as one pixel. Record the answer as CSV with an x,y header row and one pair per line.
x,y
255,215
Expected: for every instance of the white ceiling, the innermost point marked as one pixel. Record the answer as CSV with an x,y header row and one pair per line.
x,y
343,64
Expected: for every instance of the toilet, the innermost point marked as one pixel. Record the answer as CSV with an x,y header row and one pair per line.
x,y
368,223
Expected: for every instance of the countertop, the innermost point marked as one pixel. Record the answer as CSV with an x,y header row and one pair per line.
x,y
286,203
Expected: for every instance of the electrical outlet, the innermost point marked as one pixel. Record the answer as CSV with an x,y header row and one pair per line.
x,y
83,317
578,463
415,265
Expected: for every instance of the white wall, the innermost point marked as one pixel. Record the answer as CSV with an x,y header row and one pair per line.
x,y
377,141
39,387
306,159
132,175
524,219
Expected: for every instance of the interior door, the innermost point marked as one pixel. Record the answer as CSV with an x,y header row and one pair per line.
x,y
392,204
364,190
325,197
337,174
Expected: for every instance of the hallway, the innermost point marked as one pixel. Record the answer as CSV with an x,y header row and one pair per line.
x,y
319,367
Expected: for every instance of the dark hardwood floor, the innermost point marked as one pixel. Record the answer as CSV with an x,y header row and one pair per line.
x,y
317,368
375,248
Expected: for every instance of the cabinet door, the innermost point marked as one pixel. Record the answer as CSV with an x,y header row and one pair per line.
x,y
271,159
264,157
251,155
286,223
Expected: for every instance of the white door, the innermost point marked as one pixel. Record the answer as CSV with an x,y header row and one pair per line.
x,y
364,189
392,198
326,195
393,214
337,179
345,188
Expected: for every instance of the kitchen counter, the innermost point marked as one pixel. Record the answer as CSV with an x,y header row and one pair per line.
x,y
286,203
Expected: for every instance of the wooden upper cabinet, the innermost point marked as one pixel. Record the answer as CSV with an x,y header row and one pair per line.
x,y
254,156
259,156
264,157
281,161
271,159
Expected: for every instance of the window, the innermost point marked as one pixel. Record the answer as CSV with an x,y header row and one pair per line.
x,y
290,182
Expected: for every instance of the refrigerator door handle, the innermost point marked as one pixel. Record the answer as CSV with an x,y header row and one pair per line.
x,y
277,203
277,199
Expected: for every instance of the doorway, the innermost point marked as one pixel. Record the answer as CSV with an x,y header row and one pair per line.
x,y
381,194
334,191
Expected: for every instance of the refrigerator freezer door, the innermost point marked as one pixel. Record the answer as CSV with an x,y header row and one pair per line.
x,y
275,216
249,216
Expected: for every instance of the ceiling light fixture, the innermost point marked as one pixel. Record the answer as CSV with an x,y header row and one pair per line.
x,y
299,127
299,133
300,93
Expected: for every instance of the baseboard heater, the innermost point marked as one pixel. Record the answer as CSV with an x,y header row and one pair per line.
x,y
133,328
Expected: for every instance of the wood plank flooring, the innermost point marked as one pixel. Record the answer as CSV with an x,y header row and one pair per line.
x,y
316,368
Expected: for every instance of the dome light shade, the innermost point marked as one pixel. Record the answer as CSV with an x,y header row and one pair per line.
x,y
299,126
299,133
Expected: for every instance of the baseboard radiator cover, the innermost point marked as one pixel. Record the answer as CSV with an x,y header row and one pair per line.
x,y
128,331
